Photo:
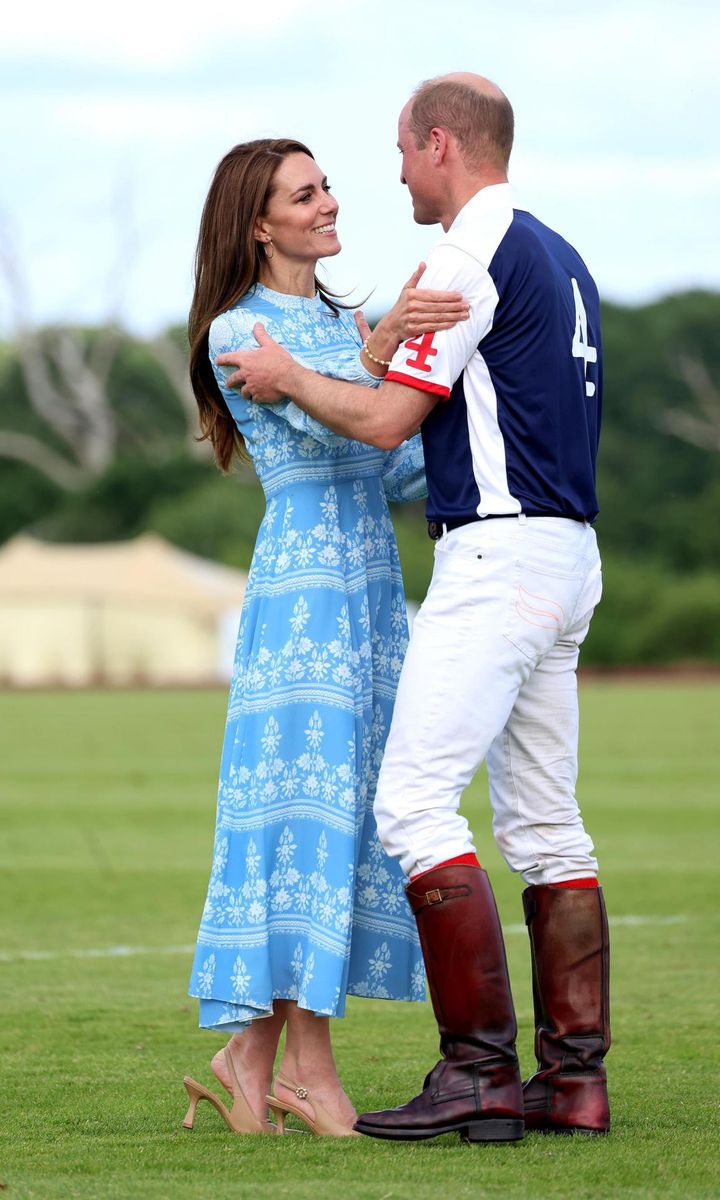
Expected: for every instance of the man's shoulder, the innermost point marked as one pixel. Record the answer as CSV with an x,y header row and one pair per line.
x,y
474,250
531,244
508,229
477,240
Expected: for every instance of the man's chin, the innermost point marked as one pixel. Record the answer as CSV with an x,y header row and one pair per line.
x,y
424,218
423,215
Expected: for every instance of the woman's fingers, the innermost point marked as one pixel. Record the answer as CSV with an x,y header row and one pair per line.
x,y
433,320
423,317
433,325
423,310
457,311
428,296
416,276
362,326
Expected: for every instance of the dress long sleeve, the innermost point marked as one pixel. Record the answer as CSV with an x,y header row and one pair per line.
x,y
404,473
233,331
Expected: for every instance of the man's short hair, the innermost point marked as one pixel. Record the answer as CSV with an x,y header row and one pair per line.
x,y
482,124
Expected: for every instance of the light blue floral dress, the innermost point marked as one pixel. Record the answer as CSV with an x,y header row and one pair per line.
x,y
303,902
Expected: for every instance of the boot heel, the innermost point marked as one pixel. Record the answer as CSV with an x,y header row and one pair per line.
x,y
496,1130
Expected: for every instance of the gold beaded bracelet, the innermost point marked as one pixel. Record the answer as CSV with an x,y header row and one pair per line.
x,y
381,362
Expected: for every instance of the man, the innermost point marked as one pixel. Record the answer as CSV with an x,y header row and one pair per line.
x,y
509,406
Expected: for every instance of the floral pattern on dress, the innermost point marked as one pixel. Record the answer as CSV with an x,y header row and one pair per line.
x,y
303,903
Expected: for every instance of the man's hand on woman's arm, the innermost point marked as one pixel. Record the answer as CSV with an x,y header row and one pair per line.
x,y
384,417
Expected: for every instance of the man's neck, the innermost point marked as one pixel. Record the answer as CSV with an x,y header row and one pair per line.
x,y
464,188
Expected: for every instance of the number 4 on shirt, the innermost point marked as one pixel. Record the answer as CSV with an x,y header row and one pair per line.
x,y
580,347
424,350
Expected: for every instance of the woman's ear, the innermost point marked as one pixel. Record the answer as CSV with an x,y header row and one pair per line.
x,y
261,233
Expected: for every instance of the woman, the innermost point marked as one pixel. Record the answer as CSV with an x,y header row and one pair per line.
x,y
303,905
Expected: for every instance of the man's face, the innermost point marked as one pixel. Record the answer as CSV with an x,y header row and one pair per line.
x,y
417,172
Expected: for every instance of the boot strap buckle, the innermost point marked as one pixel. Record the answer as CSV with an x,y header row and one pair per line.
x,y
434,897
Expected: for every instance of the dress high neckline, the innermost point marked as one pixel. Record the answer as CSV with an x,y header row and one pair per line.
x,y
285,299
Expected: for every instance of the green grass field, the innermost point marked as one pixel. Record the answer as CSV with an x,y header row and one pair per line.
x,y
107,810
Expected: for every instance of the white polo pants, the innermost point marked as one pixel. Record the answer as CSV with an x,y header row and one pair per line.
x,y
490,673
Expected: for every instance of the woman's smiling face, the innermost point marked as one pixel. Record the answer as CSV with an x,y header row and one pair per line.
x,y
300,216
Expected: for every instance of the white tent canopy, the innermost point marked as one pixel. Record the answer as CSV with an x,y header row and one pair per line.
x,y
121,612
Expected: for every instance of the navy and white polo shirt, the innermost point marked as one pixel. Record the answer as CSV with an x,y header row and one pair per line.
x,y
520,382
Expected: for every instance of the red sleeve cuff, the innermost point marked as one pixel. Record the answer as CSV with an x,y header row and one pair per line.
x,y
422,385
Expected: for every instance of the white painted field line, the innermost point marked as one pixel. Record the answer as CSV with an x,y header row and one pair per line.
x,y
630,920
134,951
104,952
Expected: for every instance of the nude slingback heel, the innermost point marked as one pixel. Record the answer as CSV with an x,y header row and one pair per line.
x,y
240,1118
321,1123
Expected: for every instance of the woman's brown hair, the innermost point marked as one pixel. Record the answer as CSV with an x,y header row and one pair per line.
x,y
227,265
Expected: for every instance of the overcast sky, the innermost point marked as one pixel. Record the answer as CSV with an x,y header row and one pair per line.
x,y
112,119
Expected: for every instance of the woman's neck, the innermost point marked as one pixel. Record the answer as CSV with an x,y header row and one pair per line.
x,y
291,279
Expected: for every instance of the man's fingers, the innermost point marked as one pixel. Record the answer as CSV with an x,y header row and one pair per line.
x,y
236,380
262,337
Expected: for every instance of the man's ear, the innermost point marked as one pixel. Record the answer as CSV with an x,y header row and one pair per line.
x,y
439,143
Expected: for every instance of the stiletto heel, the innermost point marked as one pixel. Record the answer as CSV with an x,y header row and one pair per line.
x,y
321,1123
240,1118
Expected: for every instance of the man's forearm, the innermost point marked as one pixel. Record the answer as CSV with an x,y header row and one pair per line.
x,y
347,408
382,417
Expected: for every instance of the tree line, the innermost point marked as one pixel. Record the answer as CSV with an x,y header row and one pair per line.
x,y
97,442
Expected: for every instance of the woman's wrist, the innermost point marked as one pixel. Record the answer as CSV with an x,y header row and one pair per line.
x,y
371,366
384,340
379,362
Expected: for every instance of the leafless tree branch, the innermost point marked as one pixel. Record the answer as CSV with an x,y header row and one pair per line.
x,y
66,374
90,401
24,448
175,366
75,406
703,429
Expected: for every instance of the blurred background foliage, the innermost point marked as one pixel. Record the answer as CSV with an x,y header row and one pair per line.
x,y
97,443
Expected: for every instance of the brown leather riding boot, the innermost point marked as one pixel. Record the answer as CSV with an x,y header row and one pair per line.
x,y
570,958
475,1089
